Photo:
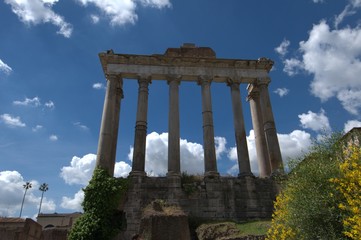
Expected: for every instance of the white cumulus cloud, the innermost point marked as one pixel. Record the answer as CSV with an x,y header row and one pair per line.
x,y
232,155
156,3
281,91
34,102
79,172
156,159
73,203
47,205
351,124
349,10
315,121
121,12
40,11
191,154
37,128
81,126
350,100
49,104
332,56
122,169
118,11
53,138
293,145
95,18
221,148
282,49
81,169
192,157
98,86
11,121
12,192
292,66
5,68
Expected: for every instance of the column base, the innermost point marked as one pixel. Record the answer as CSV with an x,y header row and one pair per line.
x,y
174,179
211,174
245,174
172,174
137,174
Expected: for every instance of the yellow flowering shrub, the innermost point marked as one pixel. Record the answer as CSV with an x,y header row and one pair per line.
x,y
279,228
349,185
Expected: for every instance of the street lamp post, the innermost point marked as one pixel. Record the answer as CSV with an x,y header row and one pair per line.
x,y
27,185
43,188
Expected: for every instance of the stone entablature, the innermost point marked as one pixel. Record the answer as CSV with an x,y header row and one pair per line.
x,y
159,67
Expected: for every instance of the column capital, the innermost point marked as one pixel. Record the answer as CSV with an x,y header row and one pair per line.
x,y
116,85
230,82
263,81
171,78
114,77
144,78
234,85
204,79
253,91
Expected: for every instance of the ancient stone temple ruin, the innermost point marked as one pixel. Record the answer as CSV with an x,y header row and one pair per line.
x,y
214,197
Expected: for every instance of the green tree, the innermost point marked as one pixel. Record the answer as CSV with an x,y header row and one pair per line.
x,y
27,185
101,218
43,188
307,206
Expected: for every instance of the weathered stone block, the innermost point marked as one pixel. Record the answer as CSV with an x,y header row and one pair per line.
x,y
164,222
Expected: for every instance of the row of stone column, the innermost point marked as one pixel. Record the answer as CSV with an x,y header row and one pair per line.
x,y
267,145
268,153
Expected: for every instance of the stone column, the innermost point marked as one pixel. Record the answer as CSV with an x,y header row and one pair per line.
x,y
110,122
173,127
240,132
140,128
257,121
210,163
273,146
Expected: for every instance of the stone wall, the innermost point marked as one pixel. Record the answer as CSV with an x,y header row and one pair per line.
x,y
224,198
55,234
20,229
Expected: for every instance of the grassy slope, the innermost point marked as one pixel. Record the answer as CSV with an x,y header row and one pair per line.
x,y
231,229
254,228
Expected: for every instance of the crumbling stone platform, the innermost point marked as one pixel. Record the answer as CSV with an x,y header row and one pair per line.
x,y
221,198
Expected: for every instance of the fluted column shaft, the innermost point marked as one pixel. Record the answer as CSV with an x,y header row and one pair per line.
x,y
141,128
273,146
240,132
210,163
257,121
110,122
173,128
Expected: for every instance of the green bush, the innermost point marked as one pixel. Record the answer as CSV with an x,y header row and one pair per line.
x,y
307,206
101,218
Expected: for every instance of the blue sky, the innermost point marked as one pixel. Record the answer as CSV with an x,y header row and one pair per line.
x,y
52,84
